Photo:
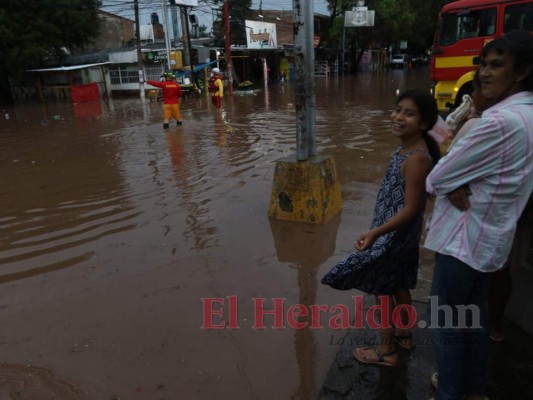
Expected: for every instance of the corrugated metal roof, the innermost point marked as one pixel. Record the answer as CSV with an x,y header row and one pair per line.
x,y
69,68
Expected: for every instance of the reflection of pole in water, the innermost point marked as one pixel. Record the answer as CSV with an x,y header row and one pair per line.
x,y
267,95
307,246
110,104
144,106
304,339
44,110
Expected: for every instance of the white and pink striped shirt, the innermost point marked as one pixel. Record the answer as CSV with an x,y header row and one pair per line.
x,y
495,158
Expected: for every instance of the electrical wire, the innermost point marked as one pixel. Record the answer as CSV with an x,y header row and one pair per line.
x,y
125,8
205,11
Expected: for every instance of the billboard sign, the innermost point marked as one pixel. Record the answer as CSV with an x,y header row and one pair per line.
x,y
358,17
261,35
155,56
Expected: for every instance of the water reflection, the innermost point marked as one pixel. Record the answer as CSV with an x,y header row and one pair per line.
x,y
91,110
73,171
306,246
60,192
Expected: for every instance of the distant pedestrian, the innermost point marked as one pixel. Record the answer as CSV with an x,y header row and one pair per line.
x,y
473,238
385,262
171,98
216,88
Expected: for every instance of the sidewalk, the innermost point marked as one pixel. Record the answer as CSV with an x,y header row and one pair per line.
x,y
347,379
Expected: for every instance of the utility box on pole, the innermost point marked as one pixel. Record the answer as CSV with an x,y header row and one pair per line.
x,y
306,186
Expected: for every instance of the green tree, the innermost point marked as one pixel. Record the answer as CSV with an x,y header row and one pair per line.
x,y
239,10
33,31
422,33
395,20
203,31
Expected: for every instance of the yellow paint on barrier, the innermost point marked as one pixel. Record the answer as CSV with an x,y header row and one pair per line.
x,y
305,191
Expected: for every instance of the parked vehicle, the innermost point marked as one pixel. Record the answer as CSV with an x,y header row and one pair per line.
x,y
399,60
420,59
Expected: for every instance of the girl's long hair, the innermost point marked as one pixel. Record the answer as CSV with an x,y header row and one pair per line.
x,y
427,107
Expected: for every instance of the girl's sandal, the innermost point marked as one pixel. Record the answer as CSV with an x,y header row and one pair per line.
x,y
497,337
388,359
406,342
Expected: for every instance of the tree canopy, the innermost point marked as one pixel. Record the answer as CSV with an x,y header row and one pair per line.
x,y
239,11
395,20
35,30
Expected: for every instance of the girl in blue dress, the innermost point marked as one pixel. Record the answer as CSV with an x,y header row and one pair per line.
x,y
385,262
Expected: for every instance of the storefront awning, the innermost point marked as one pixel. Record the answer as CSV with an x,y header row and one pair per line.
x,y
196,68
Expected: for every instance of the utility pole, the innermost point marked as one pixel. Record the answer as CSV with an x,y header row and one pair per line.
x,y
184,35
304,53
186,26
139,51
166,30
229,63
174,19
305,186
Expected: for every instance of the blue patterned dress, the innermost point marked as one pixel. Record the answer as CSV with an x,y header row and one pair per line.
x,y
392,262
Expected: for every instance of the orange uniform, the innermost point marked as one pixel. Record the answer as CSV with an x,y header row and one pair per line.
x,y
171,99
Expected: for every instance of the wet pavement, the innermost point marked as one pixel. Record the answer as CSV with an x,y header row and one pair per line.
x,y
115,233
511,368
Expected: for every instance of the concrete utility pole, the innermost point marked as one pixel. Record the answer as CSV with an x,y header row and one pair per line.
x,y
305,187
166,30
304,52
139,51
186,29
174,19
229,62
185,35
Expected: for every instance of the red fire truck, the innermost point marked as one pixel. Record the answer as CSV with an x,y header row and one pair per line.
x,y
464,28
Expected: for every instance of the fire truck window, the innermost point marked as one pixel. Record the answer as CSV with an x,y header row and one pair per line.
x,y
468,26
487,22
449,29
528,21
519,16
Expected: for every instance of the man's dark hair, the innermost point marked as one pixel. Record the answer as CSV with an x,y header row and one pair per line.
x,y
519,44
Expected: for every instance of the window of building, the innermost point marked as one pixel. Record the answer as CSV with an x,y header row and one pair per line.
x,y
120,74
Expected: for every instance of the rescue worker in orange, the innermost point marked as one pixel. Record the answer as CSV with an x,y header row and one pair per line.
x,y
216,88
171,98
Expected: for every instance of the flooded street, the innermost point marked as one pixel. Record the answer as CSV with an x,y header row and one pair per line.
x,y
112,231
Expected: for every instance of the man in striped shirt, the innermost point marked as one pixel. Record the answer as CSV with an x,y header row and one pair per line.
x,y
481,187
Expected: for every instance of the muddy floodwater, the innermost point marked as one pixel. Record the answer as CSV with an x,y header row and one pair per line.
x,y
113,230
